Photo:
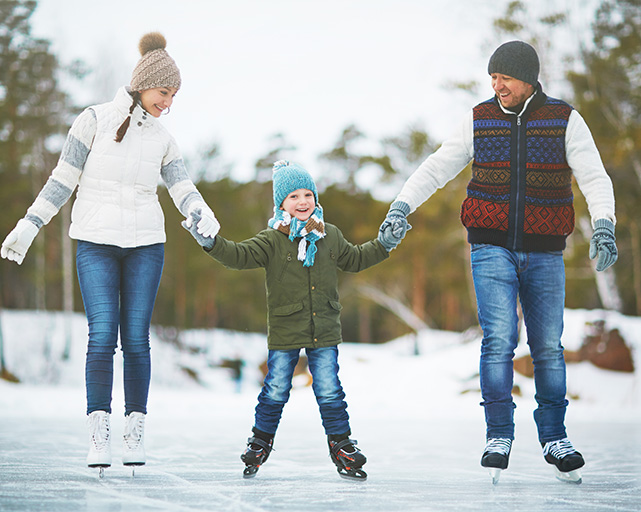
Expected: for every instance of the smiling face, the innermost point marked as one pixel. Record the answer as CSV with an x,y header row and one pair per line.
x,y
300,204
156,100
510,91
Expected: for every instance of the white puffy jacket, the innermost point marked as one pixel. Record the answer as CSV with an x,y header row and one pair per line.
x,y
116,202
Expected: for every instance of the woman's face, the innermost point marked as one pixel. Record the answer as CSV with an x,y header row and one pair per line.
x,y
157,100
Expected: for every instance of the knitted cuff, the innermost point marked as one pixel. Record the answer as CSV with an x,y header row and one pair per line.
x,y
604,224
401,206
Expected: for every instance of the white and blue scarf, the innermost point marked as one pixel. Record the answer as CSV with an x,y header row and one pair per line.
x,y
309,231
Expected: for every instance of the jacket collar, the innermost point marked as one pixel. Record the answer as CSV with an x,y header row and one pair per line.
x,y
534,102
122,102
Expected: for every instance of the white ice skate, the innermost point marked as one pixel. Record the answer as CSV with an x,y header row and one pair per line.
x,y
134,441
99,441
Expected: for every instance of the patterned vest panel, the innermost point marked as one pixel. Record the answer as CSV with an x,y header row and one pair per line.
x,y
520,195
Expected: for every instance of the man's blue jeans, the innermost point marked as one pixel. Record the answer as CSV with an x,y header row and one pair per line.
x,y
538,280
119,288
323,364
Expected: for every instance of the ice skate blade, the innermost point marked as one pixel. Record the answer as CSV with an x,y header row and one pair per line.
x,y
495,473
101,468
250,471
133,466
101,471
355,475
572,477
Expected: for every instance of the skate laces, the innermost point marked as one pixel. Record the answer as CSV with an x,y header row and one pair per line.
x,y
134,429
498,445
100,430
559,449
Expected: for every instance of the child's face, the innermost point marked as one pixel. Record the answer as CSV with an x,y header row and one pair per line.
x,y
300,204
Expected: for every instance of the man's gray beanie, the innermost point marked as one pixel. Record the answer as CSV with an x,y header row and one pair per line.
x,y
516,59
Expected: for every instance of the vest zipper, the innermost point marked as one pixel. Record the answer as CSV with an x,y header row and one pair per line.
x,y
518,183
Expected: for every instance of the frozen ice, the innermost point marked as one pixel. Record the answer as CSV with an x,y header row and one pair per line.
x,y
417,418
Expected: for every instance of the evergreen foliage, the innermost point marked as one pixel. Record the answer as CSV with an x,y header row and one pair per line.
x,y
429,271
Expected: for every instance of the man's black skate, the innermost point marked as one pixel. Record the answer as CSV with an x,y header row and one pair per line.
x,y
258,449
566,460
348,459
496,456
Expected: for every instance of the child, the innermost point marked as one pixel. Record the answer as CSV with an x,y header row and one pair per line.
x,y
114,154
301,255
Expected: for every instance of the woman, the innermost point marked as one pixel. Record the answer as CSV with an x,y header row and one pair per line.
x,y
114,154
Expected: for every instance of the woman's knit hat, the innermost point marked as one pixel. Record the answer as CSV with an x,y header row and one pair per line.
x,y
155,68
288,177
516,59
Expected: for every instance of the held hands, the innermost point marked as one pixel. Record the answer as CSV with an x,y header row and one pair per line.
x,y
191,224
395,225
17,243
207,225
603,244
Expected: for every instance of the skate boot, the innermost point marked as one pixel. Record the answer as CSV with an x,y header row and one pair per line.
x,y
496,456
99,441
257,452
565,459
348,459
133,453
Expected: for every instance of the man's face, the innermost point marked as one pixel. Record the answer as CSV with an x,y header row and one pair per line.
x,y
510,91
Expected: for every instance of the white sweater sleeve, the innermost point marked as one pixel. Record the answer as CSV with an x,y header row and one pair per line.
x,y
65,176
440,167
585,161
179,185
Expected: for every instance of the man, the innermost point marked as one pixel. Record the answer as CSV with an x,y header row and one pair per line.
x,y
524,147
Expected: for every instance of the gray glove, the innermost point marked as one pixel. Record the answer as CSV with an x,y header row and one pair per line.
x,y
207,242
395,225
603,244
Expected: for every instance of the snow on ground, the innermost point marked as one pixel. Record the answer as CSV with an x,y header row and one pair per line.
x,y
416,417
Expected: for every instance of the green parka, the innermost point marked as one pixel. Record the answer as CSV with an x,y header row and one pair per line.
x,y
303,309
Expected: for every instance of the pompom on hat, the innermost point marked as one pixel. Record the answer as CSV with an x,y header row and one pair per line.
x,y
155,67
516,59
289,176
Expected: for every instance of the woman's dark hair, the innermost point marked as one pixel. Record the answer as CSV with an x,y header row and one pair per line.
x,y
125,125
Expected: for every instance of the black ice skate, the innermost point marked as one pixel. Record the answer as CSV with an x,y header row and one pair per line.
x,y
496,456
256,453
348,459
565,459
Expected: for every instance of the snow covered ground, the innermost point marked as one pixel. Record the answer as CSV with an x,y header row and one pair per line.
x,y
416,417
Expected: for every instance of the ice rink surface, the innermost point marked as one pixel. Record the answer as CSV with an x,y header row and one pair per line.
x,y
194,439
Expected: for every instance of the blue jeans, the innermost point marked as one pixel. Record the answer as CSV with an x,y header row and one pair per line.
x,y
538,279
119,288
323,364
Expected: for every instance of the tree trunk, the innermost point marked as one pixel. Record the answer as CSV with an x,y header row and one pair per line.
x,y
605,281
636,264
418,285
67,277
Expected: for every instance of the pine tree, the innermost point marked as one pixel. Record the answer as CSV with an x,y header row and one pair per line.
x,y
33,110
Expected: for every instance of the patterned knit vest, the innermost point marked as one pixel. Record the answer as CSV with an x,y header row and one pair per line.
x,y
520,195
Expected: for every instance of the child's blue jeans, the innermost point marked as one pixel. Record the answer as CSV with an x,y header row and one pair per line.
x,y
323,364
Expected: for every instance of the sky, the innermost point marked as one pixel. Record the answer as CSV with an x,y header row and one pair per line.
x,y
252,69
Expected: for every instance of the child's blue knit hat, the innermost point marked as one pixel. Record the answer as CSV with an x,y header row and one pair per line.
x,y
287,177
